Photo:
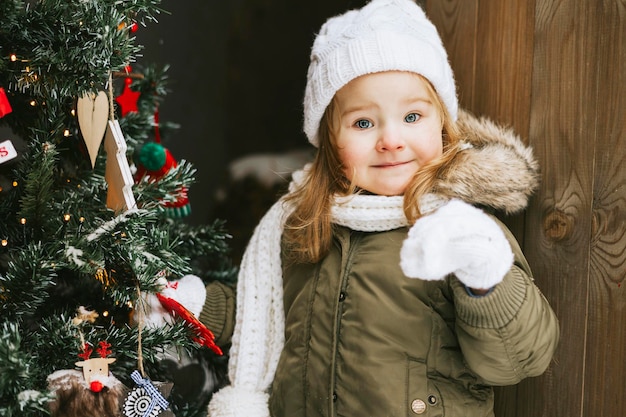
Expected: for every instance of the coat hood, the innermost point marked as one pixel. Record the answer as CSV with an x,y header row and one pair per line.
x,y
496,169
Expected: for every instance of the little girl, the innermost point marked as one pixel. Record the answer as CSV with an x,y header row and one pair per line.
x,y
377,286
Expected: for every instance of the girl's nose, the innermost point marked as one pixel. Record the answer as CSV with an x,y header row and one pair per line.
x,y
390,140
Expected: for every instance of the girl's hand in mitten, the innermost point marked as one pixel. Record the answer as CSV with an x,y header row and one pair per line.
x,y
189,291
460,239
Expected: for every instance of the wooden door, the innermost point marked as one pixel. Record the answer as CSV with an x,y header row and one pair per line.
x,y
556,71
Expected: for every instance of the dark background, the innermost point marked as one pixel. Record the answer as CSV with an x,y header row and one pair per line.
x,y
237,78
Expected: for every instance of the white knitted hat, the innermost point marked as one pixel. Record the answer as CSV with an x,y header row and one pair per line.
x,y
384,35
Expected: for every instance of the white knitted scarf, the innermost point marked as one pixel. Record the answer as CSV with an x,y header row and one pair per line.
x,y
259,331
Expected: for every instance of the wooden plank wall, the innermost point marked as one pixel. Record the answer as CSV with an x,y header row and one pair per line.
x,y
555,70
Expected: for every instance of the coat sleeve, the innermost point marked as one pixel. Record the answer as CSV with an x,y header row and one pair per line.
x,y
511,333
218,312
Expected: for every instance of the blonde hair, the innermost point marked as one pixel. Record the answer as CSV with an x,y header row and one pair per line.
x,y
308,230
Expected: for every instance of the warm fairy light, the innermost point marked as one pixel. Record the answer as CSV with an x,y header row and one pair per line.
x,y
0,188
33,103
81,219
22,221
4,242
13,58
73,112
66,133
105,314
66,218
15,183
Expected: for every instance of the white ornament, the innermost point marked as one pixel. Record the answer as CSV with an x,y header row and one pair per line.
x,y
93,112
120,196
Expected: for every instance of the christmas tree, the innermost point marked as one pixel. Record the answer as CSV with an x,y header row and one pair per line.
x,y
91,207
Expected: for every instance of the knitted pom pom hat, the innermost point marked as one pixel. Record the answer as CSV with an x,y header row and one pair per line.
x,y
384,35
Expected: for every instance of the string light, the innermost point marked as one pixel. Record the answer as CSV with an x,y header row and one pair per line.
x,y
13,58
14,183
4,243
23,223
66,218
81,220
33,103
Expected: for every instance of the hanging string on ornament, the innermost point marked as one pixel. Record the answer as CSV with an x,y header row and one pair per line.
x,y
145,400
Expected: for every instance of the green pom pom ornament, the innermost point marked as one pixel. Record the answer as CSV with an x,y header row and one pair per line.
x,y
152,156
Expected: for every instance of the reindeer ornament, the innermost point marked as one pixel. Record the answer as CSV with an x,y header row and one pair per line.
x,y
92,392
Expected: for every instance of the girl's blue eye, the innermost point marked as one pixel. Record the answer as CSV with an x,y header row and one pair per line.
x,y
363,124
411,117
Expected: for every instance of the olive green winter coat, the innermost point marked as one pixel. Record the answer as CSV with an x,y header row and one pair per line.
x,y
362,339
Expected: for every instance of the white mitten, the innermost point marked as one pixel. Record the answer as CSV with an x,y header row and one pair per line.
x,y
461,239
188,291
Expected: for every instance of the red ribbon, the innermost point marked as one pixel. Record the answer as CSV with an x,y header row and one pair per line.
x,y
204,336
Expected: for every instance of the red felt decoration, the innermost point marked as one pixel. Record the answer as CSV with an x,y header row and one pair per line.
x,y
96,386
105,349
128,99
5,106
204,336
87,350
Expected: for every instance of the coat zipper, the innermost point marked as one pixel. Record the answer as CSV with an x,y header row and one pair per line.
x,y
353,239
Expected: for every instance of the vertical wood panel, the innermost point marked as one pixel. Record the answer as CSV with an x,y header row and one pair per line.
x,y
456,22
570,56
490,47
503,75
504,61
605,365
562,133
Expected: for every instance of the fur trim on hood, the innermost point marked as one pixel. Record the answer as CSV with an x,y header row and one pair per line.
x,y
497,170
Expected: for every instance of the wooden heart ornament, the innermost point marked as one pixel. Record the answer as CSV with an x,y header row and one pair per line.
x,y
93,114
